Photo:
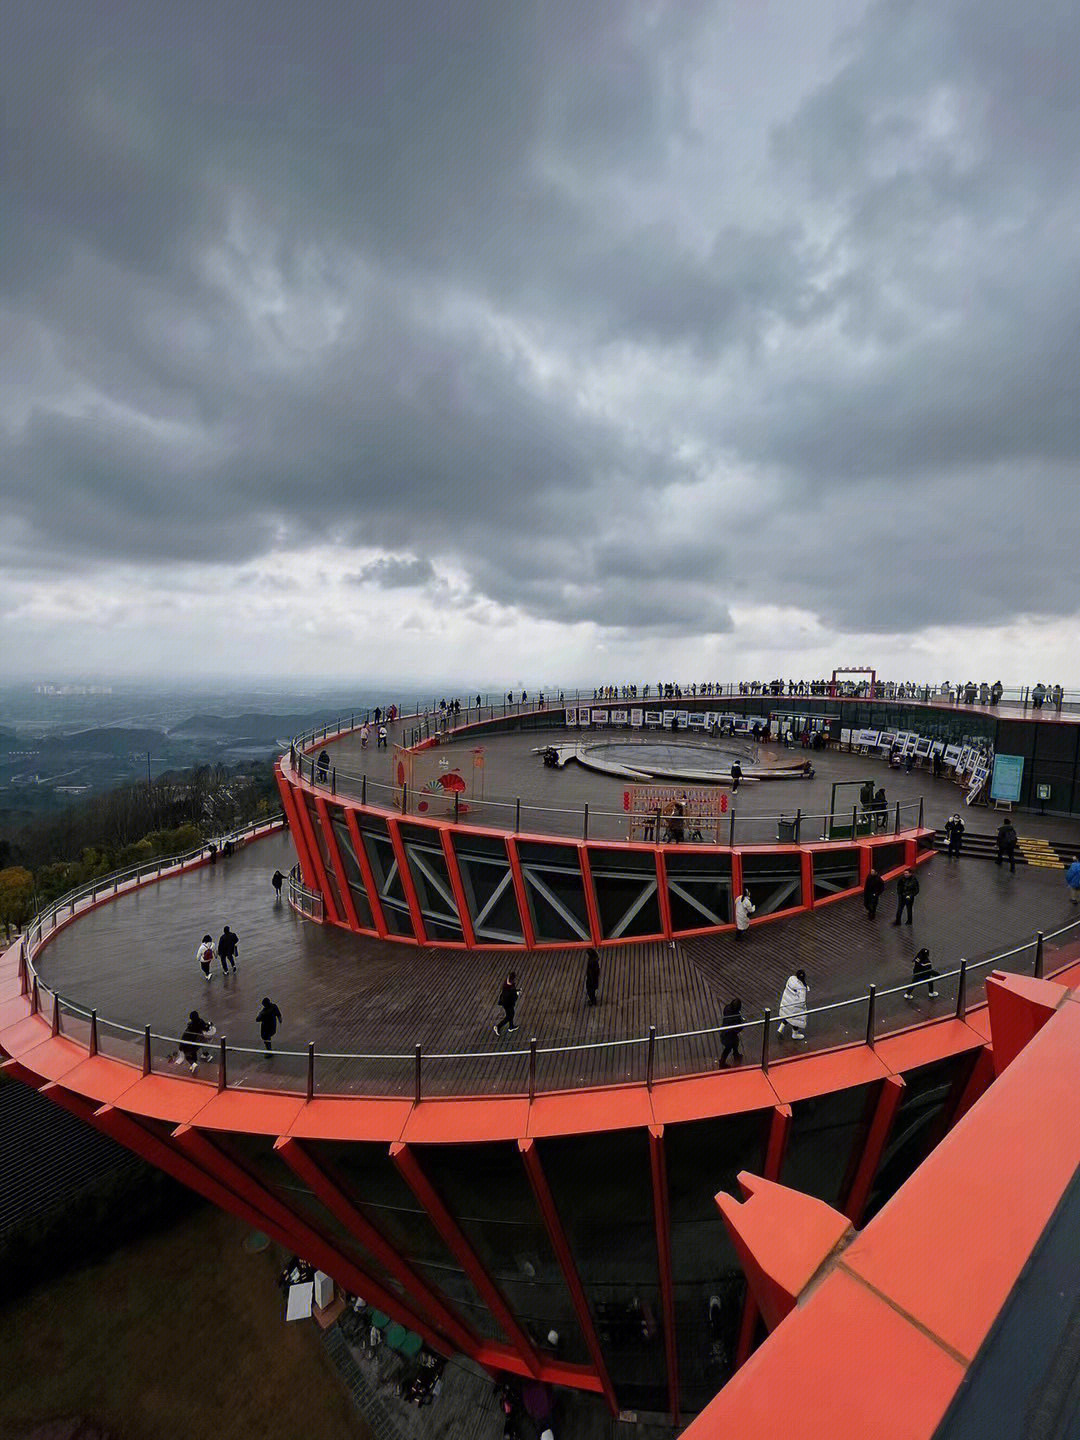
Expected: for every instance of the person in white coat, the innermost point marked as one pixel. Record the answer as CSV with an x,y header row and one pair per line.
x,y
793,1006
744,908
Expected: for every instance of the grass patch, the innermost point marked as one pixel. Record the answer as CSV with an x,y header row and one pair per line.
x,y
180,1334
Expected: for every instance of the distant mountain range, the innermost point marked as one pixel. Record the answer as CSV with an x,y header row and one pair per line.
x,y
251,726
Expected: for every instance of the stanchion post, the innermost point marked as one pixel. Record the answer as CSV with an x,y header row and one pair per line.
x,y
1039,954
961,991
532,1069
871,1015
147,1063
896,821
651,1057
585,822
363,789
311,1070
920,812
517,816
731,829
222,1074
416,1073
92,1048
765,1041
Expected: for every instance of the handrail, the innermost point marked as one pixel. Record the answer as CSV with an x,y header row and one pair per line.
x,y
49,999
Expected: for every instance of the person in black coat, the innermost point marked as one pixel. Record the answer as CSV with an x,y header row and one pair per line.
x,y
592,974
1006,845
954,834
731,1032
922,973
872,890
907,887
197,1030
268,1019
508,998
226,948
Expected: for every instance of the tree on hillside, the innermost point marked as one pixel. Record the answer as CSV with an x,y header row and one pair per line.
x,y
16,897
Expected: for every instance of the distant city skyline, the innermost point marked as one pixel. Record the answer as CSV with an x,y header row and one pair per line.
x,y
567,343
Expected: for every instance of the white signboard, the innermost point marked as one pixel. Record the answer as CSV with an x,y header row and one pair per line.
x,y
620,717
598,717
635,719
653,719
571,717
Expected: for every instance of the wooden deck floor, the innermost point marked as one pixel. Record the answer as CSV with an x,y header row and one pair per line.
x,y
134,960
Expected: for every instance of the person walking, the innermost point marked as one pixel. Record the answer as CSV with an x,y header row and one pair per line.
x,y
1006,844
792,1012
922,973
196,1031
277,880
881,809
381,742
508,998
744,908
592,974
872,890
954,834
731,1031
907,887
1072,880
205,956
736,776
268,1019
226,948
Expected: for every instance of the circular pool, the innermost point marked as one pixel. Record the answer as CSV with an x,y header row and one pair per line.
x,y
667,759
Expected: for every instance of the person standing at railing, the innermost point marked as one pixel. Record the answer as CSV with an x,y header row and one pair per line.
x,y
196,1031
268,1019
323,767
731,1031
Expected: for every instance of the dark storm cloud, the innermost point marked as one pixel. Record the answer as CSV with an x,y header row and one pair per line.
x,y
479,286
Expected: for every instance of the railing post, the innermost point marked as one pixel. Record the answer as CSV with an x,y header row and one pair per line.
x,y
404,797
765,1041
92,1048
363,789
1038,955
731,829
24,972
961,991
585,823
798,824
854,821
896,822
333,780
651,1057
517,816
146,1056
871,1015
222,1074
55,1011
532,1069
457,799
920,812
311,1071
416,1075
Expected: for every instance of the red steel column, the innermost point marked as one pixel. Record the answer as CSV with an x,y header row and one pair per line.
x,y
520,893
458,888
662,1220
663,894
592,909
299,836
368,874
308,1242
775,1147
806,878
459,1247
301,1163
335,860
316,857
398,842
561,1246
889,1097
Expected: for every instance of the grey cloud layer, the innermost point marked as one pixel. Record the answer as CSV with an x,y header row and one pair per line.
x,y
482,288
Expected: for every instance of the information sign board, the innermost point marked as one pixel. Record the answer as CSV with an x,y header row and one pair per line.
x,y
1007,778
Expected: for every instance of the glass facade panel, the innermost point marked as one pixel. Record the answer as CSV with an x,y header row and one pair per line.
x,y
926,1093
431,882
556,892
702,1158
324,851
488,884
353,873
603,1191
487,1190
376,1188
627,897
699,889
826,1139
379,849
773,879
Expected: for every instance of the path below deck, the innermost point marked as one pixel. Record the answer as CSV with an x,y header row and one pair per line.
x,y
134,960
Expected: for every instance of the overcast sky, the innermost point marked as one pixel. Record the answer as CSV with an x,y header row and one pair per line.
x,y
543,343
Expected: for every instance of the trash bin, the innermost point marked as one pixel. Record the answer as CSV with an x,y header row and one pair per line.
x,y
785,829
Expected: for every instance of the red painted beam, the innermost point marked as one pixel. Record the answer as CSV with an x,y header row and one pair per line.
x,y
291,806
368,874
323,882
458,888
775,1148
877,1137
341,1207
335,860
455,1241
592,908
662,1221
557,1235
308,1242
398,842
518,880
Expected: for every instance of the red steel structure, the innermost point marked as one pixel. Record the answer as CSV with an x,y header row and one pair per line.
x,y
482,1221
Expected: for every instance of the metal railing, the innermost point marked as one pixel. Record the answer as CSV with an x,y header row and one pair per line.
x,y
862,1019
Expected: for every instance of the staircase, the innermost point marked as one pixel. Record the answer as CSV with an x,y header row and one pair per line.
x,y
1047,854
